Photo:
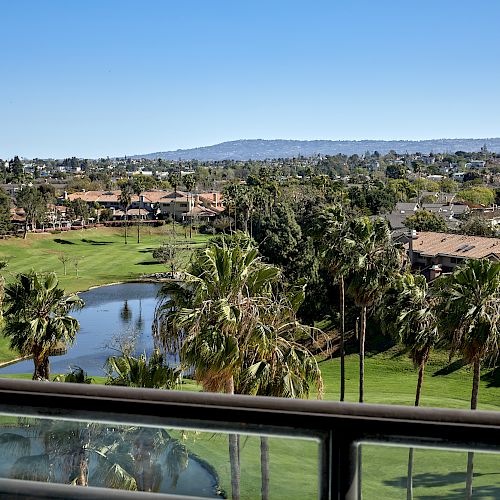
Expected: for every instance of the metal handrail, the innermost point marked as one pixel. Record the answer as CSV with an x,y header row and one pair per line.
x,y
339,427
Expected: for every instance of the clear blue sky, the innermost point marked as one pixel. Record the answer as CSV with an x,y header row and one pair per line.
x,y
94,78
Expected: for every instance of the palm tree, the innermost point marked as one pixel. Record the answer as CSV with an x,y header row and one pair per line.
x,y
125,201
138,188
175,179
36,318
470,317
331,230
277,365
141,372
409,311
210,317
190,183
376,260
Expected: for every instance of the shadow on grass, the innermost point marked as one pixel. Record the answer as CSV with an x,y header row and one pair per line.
x,y
147,250
148,263
94,242
63,242
493,377
450,368
431,480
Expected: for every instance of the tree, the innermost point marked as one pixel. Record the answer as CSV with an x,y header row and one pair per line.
x,y
376,260
36,318
64,259
477,226
396,171
125,201
422,220
208,317
78,209
166,254
5,221
76,375
331,231
478,195
137,187
34,205
190,182
276,365
409,313
16,167
469,319
174,179
140,371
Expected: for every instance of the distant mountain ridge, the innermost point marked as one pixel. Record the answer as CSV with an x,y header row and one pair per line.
x,y
261,149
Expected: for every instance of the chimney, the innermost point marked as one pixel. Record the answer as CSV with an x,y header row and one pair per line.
x,y
435,272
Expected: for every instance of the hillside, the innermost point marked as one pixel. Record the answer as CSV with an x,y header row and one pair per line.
x,y
259,149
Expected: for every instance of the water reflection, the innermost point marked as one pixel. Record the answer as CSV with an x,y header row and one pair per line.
x,y
106,326
125,312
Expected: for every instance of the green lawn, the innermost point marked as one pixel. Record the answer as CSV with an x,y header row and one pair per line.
x,y
103,257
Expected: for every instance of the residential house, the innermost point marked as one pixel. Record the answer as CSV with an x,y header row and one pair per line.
x,y
475,164
442,251
152,203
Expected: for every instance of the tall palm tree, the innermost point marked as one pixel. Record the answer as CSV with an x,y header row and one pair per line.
x,y
470,318
36,317
331,230
277,365
137,189
190,183
209,317
410,312
376,261
125,201
175,179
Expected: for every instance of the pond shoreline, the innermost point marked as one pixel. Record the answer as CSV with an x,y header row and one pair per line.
x,y
115,310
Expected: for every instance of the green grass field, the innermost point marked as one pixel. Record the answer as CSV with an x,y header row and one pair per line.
x,y
390,379
102,256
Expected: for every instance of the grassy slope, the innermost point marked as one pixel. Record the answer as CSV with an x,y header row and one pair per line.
x,y
104,257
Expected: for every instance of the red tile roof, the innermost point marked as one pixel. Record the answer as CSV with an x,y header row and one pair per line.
x,y
457,245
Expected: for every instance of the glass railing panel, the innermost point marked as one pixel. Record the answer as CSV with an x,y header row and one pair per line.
x,y
435,473
167,460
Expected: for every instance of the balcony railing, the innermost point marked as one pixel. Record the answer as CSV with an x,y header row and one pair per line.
x,y
338,428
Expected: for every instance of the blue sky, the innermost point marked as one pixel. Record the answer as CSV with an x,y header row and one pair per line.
x,y
94,78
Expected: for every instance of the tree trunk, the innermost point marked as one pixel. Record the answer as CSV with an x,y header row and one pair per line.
x,y
420,381
409,483
191,205
139,228
342,339
42,367
173,217
473,406
82,459
362,335
264,467
126,224
233,453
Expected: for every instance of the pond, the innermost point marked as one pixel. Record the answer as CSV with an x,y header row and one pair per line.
x,y
112,314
